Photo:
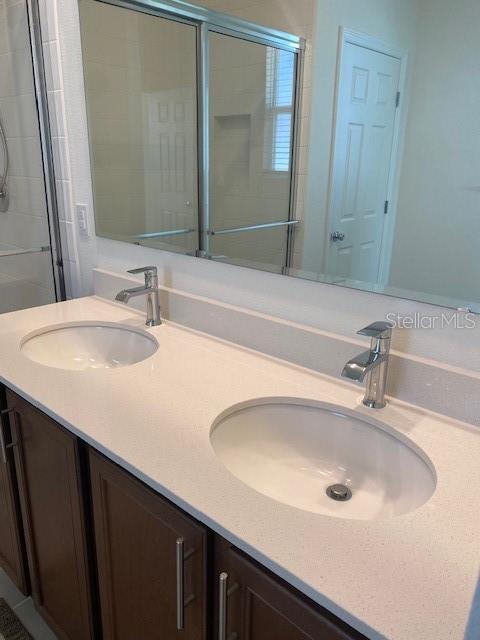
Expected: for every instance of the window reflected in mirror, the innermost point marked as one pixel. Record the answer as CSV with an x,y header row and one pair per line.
x,y
252,100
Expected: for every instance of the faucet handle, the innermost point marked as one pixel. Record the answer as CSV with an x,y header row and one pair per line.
x,y
380,329
152,270
151,275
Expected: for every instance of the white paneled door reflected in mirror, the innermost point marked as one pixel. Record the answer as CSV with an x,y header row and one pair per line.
x,y
333,141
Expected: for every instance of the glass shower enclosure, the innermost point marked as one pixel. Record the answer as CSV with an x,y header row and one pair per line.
x,y
251,125
30,255
192,122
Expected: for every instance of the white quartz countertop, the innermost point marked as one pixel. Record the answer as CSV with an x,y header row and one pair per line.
x,y
411,577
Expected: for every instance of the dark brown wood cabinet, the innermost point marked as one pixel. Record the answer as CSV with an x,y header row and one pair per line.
x,y
255,605
12,557
49,473
146,578
101,544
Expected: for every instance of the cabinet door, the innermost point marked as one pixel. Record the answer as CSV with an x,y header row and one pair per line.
x,y
147,581
48,467
252,604
11,541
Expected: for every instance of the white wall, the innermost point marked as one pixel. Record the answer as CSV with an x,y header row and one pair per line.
x,y
331,308
439,205
26,280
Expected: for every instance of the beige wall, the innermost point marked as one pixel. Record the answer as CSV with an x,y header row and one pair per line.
x,y
140,77
438,219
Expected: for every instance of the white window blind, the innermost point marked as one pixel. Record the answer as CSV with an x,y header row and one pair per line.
x,y
279,102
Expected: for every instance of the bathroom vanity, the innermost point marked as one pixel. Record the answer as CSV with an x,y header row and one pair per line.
x,y
160,573
135,523
212,477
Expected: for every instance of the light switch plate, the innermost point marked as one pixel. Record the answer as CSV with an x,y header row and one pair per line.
x,y
81,213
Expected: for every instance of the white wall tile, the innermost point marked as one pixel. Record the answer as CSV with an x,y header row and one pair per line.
x,y
16,73
56,113
71,274
25,280
48,19
23,231
27,195
19,116
64,202
25,157
13,28
67,233
60,158
52,68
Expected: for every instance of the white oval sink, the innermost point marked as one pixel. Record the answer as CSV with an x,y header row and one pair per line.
x,y
88,345
293,451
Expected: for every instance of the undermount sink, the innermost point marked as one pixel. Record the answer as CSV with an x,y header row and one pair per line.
x,y
323,459
88,345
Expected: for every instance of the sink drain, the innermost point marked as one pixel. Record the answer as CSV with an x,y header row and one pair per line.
x,y
339,492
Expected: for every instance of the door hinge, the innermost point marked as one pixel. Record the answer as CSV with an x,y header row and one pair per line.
x,y
397,100
386,206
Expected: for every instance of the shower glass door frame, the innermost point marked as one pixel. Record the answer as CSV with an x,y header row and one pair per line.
x,y
36,45
209,22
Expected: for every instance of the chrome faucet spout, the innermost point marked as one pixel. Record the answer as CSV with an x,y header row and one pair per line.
x,y
150,290
372,365
126,294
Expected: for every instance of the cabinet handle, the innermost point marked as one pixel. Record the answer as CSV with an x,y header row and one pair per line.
x,y
180,586
181,556
222,606
223,594
3,445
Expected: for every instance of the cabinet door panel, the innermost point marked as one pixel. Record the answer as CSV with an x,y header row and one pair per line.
x,y
136,534
262,607
11,541
48,466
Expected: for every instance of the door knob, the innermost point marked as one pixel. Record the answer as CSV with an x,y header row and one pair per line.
x,y
337,236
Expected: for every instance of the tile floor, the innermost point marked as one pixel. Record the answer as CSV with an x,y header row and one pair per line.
x,y
24,609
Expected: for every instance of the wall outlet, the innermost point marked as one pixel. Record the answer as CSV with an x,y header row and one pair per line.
x,y
81,213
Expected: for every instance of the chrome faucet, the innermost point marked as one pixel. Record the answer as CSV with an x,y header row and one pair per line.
x,y
372,365
150,290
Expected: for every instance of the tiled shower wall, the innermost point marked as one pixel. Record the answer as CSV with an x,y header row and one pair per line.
x,y
245,187
53,70
25,280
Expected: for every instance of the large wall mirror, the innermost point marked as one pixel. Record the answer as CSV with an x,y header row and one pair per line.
x,y
334,140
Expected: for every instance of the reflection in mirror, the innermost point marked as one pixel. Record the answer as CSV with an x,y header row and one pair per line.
x,y
141,85
366,143
388,172
252,95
